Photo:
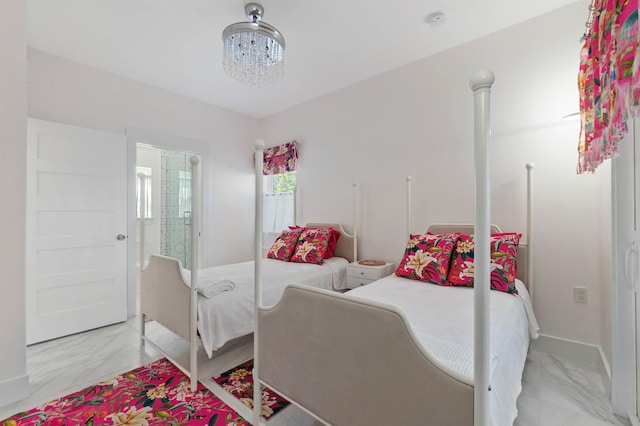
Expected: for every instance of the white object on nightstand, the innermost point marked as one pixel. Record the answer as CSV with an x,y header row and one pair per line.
x,y
359,275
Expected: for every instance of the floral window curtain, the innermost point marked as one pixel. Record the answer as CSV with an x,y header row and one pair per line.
x,y
608,80
280,159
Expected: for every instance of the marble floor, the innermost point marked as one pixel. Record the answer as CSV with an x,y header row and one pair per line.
x,y
556,391
560,392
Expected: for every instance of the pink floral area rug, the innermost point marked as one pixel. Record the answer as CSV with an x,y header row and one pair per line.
x,y
238,381
156,394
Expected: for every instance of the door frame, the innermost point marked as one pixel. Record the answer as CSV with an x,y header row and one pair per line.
x,y
623,305
158,140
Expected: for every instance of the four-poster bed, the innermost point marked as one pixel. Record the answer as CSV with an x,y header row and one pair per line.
x,y
348,358
354,359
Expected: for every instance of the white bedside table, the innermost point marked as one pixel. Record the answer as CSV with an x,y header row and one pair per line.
x,y
359,275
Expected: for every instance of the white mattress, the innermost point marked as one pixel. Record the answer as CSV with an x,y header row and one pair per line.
x,y
230,314
442,320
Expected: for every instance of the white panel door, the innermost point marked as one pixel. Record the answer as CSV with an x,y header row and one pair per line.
x,y
76,230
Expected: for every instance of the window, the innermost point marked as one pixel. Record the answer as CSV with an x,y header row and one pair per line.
x,y
184,194
282,183
146,172
279,202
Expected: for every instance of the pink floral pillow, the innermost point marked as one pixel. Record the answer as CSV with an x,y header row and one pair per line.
x,y
334,234
504,268
284,245
427,258
312,245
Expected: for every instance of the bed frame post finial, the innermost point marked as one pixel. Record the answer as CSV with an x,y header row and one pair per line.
x,y
481,83
482,79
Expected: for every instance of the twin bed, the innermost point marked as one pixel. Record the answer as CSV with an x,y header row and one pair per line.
x,y
166,294
396,351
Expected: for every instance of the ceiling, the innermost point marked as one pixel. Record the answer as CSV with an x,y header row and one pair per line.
x,y
330,44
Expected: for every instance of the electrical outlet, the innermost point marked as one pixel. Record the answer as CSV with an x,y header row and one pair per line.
x,y
580,294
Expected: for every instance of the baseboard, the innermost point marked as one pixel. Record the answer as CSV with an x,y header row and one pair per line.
x,y
605,370
14,389
576,351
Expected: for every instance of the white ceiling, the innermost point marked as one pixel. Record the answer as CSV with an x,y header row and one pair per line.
x,y
330,44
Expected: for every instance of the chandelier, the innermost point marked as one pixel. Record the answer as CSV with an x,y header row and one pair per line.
x,y
253,51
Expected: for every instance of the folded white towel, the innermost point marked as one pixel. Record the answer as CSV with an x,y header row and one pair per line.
x,y
207,286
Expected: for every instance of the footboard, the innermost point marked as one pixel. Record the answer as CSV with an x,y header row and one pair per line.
x,y
164,296
354,362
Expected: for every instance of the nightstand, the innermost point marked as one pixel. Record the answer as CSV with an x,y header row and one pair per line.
x,y
359,275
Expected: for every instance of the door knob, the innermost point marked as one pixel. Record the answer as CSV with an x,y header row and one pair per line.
x,y
120,237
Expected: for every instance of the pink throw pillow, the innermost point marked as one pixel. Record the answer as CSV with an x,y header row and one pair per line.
x,y
427,258
312,245
504,268
284,245
333,240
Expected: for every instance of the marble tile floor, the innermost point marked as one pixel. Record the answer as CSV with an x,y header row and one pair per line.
x,y
556,391
559,392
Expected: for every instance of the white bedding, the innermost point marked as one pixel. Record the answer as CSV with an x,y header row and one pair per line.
x,y
230,314
442,320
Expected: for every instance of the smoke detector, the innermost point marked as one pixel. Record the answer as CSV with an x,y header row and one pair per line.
x,y
436,19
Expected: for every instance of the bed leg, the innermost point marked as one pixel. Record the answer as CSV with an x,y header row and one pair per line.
x,y
142,330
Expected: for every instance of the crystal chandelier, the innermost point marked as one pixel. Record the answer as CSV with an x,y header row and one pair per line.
x,y
253,51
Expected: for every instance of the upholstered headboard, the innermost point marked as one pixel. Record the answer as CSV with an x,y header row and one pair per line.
x,y
467,228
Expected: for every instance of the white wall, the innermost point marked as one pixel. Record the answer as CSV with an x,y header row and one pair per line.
x,y
417,120
14,381
68,92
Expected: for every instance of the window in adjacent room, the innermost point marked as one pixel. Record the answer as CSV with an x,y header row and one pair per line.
x,y
184,194
146,171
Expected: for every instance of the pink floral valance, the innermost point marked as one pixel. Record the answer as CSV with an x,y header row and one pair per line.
x,y
608,80
280,159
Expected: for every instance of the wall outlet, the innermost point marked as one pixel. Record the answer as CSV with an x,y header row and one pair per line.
x,y
580,294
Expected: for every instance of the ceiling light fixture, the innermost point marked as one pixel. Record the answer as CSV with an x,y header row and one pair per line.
x,y
253,51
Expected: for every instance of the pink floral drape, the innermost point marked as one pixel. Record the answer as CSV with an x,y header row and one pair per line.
x,y
280,159
608,80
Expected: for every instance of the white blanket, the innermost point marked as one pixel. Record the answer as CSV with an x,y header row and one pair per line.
x,y
442,320
211,283
230,314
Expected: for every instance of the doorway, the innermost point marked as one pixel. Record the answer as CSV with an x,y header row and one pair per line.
x,y
166,214
164,186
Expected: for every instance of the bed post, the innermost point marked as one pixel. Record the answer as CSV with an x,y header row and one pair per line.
x,y
356,215
195,218
481,83
143,214
409,195
530,167
257,391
